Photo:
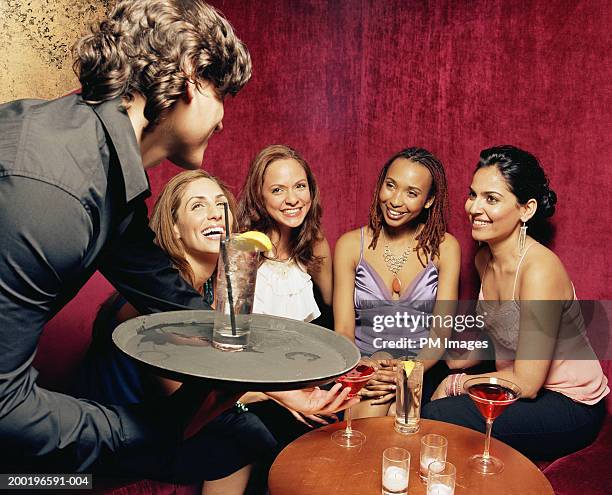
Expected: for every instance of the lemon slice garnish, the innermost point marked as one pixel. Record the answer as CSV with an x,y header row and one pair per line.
x,y
408,367
254,240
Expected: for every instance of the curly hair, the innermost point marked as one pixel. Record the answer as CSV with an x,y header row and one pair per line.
x,y
164,217
154,48
252,213
434,218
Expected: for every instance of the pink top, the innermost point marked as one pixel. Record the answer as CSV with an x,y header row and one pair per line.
x,y
574,370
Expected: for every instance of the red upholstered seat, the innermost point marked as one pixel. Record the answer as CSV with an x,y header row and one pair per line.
x,y
587,471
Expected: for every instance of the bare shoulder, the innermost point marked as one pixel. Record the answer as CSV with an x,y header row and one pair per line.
x,y
321,248
450,246
349,242
543,275
450,252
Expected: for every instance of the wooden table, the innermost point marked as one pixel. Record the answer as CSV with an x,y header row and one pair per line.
x,y
314,465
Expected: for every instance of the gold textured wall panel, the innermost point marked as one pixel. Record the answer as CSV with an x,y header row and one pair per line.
x,y
36,37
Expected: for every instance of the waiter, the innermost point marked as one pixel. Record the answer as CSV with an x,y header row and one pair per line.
x,y
72,191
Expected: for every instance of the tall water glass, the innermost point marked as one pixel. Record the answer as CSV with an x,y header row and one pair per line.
x,y
234,294
408,395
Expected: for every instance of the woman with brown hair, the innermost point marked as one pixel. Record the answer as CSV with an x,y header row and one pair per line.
x,y
188,220
281,198
411,263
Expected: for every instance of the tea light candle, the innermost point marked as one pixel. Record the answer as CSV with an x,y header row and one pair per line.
x,y
439,489
395,479
425,462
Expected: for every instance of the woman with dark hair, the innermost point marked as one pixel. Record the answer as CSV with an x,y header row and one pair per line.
x,y
404,259
531,315
281,198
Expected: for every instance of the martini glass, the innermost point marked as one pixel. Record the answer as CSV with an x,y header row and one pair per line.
x,y
491,395
355,379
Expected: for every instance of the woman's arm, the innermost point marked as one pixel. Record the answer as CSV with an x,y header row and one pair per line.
x,y
543,288
449,263
345,261
471,358
323,277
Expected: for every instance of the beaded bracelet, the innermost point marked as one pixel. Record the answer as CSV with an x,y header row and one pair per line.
x,y
240,407
453,385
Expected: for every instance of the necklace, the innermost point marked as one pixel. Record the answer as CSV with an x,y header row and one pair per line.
x,y
396,263
208,291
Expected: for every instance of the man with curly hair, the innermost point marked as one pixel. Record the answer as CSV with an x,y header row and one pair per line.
x,y
72,190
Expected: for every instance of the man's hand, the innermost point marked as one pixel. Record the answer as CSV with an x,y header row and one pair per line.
x,y
315,401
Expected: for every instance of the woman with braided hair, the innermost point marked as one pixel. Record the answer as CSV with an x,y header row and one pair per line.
x,y
403,260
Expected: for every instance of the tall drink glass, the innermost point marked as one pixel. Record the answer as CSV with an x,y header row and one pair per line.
x,y
408,394
234,294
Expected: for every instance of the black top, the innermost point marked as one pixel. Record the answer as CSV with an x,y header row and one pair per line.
x,y
72,190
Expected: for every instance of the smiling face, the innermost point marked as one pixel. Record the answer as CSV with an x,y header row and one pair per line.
x,y
404,192
200,219
492,209
191,122
286,193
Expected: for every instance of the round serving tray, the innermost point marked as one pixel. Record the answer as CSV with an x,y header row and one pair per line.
x,y
283,353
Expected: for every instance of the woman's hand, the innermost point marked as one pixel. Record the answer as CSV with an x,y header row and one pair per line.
x,y
308,420
440,392
314,401
381,388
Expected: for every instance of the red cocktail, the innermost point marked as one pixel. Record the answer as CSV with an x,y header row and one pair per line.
x,y
491,396
355,379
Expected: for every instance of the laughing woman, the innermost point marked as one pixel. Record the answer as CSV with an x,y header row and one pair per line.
x,y
531,314
188,221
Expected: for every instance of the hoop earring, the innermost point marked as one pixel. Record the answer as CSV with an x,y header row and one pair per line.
x,y
522,237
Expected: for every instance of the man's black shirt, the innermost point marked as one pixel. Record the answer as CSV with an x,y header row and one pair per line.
x,y
72,190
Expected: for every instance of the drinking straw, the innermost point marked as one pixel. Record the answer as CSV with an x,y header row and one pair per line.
x,y
228,282
405,383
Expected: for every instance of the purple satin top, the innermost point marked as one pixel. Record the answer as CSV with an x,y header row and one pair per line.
x,y
374,310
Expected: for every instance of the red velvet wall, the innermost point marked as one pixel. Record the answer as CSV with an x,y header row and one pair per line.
x,y
348,83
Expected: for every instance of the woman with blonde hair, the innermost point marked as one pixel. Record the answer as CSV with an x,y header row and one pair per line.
x,y
188,220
